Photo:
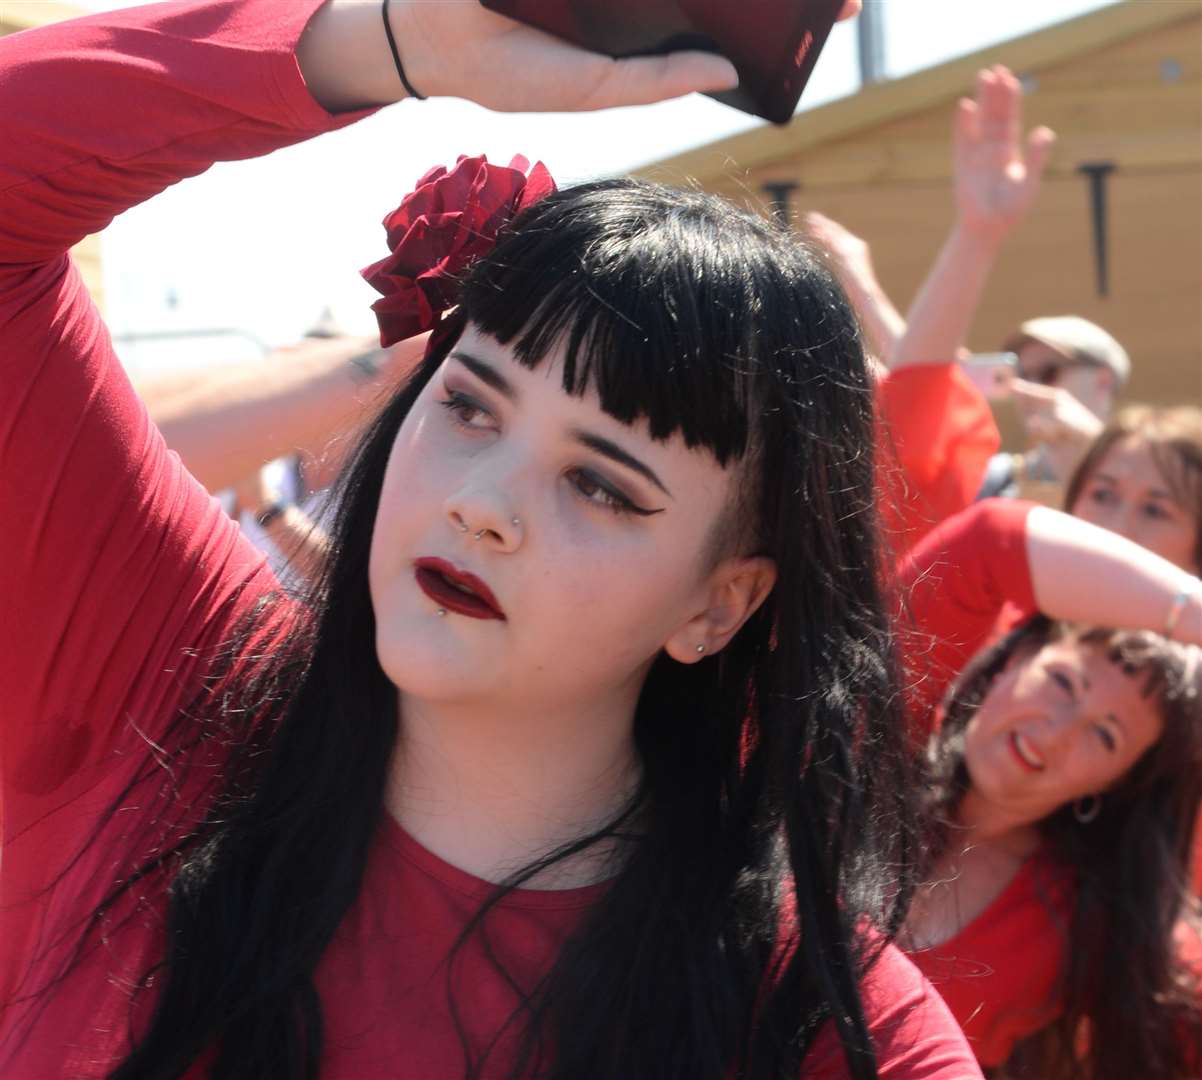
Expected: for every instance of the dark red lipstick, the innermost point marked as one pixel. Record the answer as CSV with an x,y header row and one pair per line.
x,y
456,590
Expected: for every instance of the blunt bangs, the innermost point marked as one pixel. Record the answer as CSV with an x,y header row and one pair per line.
x,y
657,295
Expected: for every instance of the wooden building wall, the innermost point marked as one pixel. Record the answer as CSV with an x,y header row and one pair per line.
x,y
1132,98
22,15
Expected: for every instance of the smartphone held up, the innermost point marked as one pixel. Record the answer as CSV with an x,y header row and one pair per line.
x,y
991,373
773,44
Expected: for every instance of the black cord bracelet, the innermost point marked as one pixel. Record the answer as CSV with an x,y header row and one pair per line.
x,y
396,56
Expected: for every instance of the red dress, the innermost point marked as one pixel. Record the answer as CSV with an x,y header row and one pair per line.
x,y
120,575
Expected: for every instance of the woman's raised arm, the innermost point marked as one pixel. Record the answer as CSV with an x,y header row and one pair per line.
x,y
1003,553
114,563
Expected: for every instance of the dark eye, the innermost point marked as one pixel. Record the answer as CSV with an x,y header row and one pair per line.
x,y
465,411
1102,496
595,491
1106,736
1156,511
1065,683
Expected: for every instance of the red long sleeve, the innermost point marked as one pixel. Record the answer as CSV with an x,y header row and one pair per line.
x,y
937,435
111,558
117,570
953,587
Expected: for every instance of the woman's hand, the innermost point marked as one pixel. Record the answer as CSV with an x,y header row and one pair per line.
x,y
467,51
461,49
253,493
996,177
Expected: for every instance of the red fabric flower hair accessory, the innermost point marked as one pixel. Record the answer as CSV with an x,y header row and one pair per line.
x,y
444,225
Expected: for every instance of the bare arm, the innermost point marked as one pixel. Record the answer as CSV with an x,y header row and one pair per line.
x,y
996,181
851,259
224,424
301,540
1081,573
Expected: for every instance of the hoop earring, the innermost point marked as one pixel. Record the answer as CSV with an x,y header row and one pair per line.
x,y
1087,809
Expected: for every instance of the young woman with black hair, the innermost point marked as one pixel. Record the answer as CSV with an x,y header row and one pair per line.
x,y
1066,775
584,758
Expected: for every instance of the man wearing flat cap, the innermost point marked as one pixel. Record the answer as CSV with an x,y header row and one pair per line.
x,y
1070,373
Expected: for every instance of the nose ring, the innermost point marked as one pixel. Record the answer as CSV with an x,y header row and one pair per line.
x,y
463,526
477,536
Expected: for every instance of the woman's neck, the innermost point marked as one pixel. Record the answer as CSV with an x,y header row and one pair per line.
x,y
490,791
981,853
977,822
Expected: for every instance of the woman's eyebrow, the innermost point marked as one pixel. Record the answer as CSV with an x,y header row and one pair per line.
x,y
486,373
489,375
614,452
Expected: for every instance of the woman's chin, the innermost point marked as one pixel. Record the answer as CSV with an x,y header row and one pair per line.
x,y
430,664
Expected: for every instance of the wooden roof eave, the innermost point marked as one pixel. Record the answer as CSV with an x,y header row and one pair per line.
x,y
923,89
24,14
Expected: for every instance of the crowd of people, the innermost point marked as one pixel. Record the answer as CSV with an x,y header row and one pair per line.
x,y
641,661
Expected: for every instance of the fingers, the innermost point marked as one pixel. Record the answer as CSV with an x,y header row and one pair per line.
x,y
1033,393
822,227
999,97
1040,143
646,79
967,124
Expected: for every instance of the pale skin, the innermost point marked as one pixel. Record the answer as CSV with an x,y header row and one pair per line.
x,y
851,259
458,50
1058,725
516,734
997,175
227,422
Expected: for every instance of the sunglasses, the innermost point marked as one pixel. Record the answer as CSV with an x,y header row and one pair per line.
x,y
1048,374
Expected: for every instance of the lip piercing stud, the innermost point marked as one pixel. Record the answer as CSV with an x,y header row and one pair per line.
x,y
441,611
477,536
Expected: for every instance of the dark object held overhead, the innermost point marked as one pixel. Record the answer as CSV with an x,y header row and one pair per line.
x,y
773,44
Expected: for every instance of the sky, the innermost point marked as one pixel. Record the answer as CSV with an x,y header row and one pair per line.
x,y
262,247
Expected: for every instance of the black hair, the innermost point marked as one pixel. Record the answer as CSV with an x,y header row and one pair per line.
x,y
1127,1000
774,812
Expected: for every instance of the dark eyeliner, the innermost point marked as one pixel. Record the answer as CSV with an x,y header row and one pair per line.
x,y
622,504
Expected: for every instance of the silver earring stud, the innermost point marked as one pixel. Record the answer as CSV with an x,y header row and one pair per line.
x,y
701,648
479,535
515,521
441,611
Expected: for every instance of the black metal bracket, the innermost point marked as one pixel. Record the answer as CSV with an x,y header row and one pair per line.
x,y
1097,172
779,191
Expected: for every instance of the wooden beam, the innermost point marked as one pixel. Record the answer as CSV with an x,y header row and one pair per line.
x,y
23,14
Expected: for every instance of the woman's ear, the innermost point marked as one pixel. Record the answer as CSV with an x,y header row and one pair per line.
x,y
735,589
